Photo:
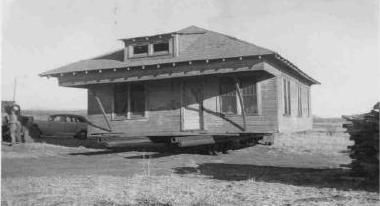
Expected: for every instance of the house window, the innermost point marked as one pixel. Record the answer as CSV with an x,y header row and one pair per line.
x,y
286,93
299,100
229,99
308,101
161,47
249,93
121,100
137,96
129,101
140,49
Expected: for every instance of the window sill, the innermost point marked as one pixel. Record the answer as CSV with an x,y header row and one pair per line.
x,y
136,56
254,115
139,56
160,53
287,115
232,115
132,118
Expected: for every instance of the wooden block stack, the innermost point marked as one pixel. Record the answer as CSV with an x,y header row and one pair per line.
x,y
364,131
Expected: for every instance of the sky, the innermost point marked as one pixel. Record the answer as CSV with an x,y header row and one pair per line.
x,y
334,41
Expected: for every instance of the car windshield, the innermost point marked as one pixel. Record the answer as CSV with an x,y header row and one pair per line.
x,y
64,118
57,119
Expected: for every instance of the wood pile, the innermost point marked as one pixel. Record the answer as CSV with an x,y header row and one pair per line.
x,y
364,131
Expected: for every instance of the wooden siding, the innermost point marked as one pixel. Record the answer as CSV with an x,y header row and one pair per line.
x,y
164,106
164,109
265,122
293,122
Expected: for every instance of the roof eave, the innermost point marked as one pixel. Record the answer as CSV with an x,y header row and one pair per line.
x,y
291,65
276,55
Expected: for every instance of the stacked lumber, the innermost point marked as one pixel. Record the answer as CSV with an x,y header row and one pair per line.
x,y
364,131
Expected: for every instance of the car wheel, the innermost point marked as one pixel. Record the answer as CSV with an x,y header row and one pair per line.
x,y
81,135
35,132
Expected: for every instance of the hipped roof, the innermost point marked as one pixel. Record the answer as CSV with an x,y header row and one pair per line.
x,y
203,45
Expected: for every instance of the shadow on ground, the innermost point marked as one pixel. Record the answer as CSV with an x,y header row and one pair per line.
x,y
69,142
329,177
154,152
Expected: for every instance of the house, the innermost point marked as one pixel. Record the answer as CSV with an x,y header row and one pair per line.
x,y
192,82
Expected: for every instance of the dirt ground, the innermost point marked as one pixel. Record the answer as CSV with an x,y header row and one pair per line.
x,y
291,172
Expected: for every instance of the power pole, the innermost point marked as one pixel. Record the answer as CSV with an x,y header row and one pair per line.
x,y
14,89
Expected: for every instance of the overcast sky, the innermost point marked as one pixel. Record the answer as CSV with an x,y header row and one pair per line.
x,y
334,41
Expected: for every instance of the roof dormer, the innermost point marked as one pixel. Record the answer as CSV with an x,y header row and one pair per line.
x,y
164,45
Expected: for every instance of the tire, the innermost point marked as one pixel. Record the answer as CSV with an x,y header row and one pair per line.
x,y
35,132
81,135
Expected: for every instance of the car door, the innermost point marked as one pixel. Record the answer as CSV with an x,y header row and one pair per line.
x,y
71,126
57,125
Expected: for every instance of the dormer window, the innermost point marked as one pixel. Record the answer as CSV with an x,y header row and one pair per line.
x,y
140,49
151,47
161,47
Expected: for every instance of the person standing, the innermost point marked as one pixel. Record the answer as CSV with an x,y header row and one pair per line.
x,y
14,125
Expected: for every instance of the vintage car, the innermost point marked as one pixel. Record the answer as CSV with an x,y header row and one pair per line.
x,y
61,125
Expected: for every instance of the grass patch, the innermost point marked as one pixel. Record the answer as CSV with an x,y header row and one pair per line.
x,y
169,190
313,142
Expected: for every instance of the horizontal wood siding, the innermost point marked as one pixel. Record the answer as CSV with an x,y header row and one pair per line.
x,y
294,122
264,122
163,107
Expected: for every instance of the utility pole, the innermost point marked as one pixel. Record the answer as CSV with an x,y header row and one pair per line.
x,y
14,89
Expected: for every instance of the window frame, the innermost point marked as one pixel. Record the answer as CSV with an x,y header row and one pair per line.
x,y
120,116
129,115
239,110
160,52
286,92
299,100
308,101
150,50
130,109
134,55
254,83
222,82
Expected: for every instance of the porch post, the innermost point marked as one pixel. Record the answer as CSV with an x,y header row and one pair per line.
x,y
100,105
237,87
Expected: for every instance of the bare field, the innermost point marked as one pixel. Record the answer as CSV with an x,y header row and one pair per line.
x,y
300,169
171,190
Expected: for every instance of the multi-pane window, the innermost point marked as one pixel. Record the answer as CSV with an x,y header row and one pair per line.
x,y
129,101
137,95
150,49
121,100
229,100
161,47
299,89
140,49
249,93
308,102
286,94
